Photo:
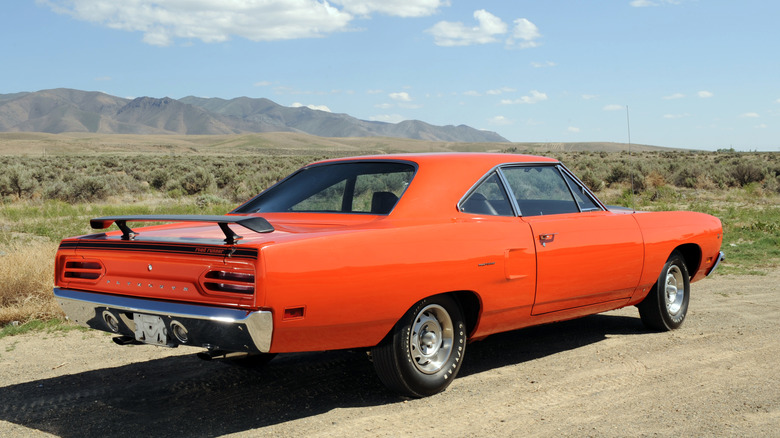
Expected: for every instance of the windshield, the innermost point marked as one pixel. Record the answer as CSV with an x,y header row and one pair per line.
x,y
347,187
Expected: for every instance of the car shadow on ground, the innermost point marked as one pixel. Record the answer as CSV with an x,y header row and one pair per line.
x,y
184,396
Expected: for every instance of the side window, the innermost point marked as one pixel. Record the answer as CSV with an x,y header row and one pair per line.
x,y
581,196
540,190
489,198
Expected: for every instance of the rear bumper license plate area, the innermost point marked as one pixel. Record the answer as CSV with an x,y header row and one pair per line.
x,y
150,329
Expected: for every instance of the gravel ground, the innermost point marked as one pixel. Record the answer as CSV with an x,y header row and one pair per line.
x,y
603,375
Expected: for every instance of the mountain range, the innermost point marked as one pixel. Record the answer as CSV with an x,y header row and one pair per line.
x,y
66,110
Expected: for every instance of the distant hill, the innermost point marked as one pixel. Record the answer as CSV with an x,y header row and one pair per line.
x,y
65,110
275,143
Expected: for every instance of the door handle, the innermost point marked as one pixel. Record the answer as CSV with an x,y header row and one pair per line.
x,y
544,239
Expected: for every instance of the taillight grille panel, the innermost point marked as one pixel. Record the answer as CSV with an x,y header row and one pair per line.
x,y
227,281
83,270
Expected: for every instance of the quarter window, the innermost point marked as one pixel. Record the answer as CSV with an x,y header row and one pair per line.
x,y
540,190
580,195
489,198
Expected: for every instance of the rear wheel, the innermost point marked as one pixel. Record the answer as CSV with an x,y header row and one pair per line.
x,y
425,349
665,307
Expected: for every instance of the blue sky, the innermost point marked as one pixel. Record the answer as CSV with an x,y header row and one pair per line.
x,y
694,74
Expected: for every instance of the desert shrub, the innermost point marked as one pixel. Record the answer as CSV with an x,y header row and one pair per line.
x,y
196,181
655,179
18,181
224,176
592,181
624,173
686,177
158,178
203,201
746,173
87,189
57,190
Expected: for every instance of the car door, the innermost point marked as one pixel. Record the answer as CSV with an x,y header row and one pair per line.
x,y
585,254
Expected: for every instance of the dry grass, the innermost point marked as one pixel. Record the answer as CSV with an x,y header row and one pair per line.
x,y
26,281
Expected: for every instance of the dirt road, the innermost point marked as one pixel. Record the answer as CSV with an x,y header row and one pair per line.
x,y
603,375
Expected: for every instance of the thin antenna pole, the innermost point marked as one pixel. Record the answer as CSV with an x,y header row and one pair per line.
x,y
630,166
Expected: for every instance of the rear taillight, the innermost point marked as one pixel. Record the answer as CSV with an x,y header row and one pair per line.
x,y
230,282
82,270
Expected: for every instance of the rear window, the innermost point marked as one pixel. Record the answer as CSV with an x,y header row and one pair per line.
x,y
348,187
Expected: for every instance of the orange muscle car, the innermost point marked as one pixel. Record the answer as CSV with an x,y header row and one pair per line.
x,y
407,256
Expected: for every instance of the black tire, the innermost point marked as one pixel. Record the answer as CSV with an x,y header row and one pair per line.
x,y
665,307
424,351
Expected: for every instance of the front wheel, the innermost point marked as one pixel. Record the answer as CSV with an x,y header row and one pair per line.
x,y
665,307
424,351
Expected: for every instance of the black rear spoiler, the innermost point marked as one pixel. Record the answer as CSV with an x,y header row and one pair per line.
x,y
254,223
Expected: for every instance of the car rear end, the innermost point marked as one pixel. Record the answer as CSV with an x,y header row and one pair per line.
x,y
165,291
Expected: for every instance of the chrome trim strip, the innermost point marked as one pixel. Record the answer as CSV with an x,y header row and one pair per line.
x,y
82,308
720,258
509,192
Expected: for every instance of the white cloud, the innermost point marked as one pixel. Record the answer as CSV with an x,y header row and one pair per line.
x,y
489,29
524,34
777,101
590,96
383,105
472,93
447,33
761,126
398,8
750,115
534,97
499,91
500,121
614,107
388,118
648,3
673,96
313,107
573,129
543,64
676,116
402,96
262,84
374,92
163,21
704,94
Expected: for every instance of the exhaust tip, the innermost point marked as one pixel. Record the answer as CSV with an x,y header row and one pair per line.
x,y
112,323
180,332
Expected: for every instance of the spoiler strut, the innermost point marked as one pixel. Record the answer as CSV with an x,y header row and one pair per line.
x,y
253,223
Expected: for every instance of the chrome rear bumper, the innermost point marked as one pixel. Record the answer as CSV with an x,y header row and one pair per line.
x,y
215,328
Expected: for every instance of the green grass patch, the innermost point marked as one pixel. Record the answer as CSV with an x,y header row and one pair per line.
x,y
56,325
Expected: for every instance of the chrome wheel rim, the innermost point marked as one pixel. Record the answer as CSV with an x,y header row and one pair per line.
x,y
675,290
431,339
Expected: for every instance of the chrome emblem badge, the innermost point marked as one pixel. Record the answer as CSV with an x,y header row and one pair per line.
x,y
149,267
